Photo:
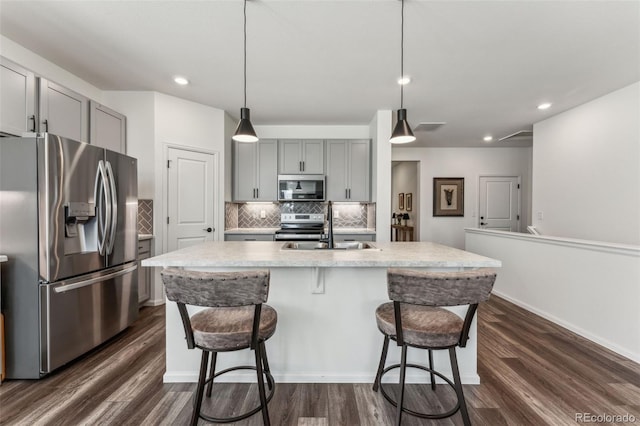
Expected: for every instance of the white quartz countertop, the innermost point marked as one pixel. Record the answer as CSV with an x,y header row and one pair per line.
x,y
3,258
269,254
251,230
273,230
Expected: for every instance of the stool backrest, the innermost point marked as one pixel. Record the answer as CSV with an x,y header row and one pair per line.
x,y
440,288
216,289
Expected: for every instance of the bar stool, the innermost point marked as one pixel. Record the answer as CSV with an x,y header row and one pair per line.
x,y
415,318
229,324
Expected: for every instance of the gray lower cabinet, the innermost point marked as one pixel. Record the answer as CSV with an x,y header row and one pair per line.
x,y
17,99
62,111
107,128
144,274
348,170
255,171
248,237
354,237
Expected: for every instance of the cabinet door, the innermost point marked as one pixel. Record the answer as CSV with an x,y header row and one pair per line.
x,y
108,128
359,170
267,174
290,157
313,157
245,164
337,170
17,99
144,285
63,112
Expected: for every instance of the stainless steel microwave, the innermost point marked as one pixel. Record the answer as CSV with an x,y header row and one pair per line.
x,y
301,187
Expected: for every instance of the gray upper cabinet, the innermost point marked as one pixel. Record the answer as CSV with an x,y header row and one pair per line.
x,y
62,111
255,171
17,99
108,128
301,156
348,170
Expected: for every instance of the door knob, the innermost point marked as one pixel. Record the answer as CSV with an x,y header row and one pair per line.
x,y
209,229
482,224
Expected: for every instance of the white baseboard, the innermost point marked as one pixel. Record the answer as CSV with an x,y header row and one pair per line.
x,y
192,377
154,302
571,327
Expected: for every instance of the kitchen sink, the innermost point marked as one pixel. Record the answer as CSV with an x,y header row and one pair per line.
x,y
343,245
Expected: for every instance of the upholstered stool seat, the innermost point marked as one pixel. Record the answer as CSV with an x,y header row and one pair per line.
x,y
423,326
235,318
415,318
229,329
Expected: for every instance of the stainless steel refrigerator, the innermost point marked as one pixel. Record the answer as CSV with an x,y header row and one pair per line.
x,y
68,224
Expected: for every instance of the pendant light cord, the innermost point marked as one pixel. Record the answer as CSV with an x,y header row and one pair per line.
x,y
245,53
402,54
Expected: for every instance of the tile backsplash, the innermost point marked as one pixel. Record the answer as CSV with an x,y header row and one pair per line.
x,y
145,216
249,215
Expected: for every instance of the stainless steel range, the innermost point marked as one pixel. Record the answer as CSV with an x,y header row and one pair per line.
x,y
300,226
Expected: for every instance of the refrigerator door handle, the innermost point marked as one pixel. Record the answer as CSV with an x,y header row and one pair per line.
x,y
114,208
67,287
102,197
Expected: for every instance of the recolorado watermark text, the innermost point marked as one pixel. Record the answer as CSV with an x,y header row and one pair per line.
x,y
605,418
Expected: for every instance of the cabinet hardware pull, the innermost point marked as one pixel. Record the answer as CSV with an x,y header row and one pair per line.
x,y
257,192
46,126
303,166
349,193
346,193
33,117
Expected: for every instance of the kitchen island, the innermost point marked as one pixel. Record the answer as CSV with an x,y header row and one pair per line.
x,y
326,302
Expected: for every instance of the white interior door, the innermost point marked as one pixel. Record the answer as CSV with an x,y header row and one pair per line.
x,y
190,198
499,203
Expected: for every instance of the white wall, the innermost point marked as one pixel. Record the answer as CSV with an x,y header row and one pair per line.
x,y
593,291
405,180
380,131
42,67
586,170
469,163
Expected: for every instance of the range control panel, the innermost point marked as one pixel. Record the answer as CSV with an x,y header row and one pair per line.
x,y
302,218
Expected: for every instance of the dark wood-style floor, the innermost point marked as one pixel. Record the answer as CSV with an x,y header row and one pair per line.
x,y
532,371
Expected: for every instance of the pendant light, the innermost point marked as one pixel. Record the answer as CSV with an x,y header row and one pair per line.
x,y
402,132
244,131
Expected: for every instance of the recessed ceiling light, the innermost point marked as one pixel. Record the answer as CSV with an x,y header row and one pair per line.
x,y
545,105
182,81
487,138
404,80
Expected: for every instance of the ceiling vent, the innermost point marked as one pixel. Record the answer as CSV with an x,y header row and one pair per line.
x,y
520,134
429,126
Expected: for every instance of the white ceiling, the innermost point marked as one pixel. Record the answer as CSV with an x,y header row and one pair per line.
x,y
480,66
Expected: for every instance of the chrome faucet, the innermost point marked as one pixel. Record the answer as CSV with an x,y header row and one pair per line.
x,y
329,237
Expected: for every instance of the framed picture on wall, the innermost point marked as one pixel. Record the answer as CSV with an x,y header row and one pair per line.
x,y
401,201
409,201
448,196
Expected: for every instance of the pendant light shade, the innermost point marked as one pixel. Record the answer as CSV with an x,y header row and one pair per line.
x,y
244,131
402,132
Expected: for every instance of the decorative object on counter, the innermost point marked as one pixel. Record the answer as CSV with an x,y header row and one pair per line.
x,y
393,217
448,196
422,296
402,132
406,218
409,200
236,318
145,217
401,201
244,131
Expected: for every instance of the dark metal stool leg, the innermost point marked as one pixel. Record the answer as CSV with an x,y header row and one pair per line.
x,y
263,396
265,362
458,386
403,371
433,381
383,359
212,372
200,389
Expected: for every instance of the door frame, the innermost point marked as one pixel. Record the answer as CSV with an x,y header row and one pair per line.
x,y
218,215
503,175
